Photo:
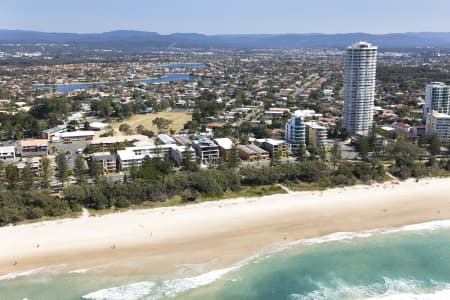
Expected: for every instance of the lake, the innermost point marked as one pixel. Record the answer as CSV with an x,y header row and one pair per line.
x,y
65,88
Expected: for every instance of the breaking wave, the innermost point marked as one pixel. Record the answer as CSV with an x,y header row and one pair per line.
x,y
389,289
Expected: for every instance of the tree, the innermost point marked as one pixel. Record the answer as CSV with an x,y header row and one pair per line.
x,y
209,186
336,154
124,127
189,195
275,159
364,147
162,124
140,128
188,162
148,133
27,177
301,152
372,139
63,169
79,169
1,165
316,152
133,171
73,125
12,177
435,144
233,160
94,169
45,162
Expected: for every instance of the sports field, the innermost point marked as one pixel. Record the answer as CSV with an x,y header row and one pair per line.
x,y
178,120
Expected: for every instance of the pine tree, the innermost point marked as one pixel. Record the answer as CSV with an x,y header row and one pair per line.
x,y
45,163
79,169
187,164
336,154
94,169
233,160
435,144
301,152
27,178
63,169
364,147
12,176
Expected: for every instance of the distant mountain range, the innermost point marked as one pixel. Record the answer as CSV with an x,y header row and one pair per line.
x,y
126,39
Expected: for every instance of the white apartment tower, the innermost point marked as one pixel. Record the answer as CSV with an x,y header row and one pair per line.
x,y
295,134
359,87
437,98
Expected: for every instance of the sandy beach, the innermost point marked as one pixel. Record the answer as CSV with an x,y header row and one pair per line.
x,y
221,231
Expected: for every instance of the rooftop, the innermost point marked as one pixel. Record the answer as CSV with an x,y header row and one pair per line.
x,y
362,45
224,143
205,143
306,113
34,143
252,149
102,155
440,115
274,142
315,125
165,139
119,139
4,149
77,133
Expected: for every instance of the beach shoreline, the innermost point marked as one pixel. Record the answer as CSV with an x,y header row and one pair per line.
x,y
224,231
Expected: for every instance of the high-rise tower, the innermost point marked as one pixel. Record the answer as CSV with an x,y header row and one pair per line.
x,y
359,87
437,98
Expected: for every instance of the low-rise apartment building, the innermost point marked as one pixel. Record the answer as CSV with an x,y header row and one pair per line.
x,y
252,152
225,145
178,153
207,151
37,147
439,123
316,134
68,137
106,161
134,156
7,152
276,148
136,139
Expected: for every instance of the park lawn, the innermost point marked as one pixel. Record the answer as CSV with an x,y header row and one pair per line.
x,y
178,120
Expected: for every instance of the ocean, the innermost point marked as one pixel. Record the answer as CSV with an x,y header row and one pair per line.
x,y
411,262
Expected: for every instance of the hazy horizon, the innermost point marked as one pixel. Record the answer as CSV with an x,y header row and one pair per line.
x,y
231,17
212,34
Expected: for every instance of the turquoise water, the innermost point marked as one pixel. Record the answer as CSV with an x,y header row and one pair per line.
x,y
408,263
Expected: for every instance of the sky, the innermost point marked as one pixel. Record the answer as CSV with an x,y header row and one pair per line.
x,y
227,16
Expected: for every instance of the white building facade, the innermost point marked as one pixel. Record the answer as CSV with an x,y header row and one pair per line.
x,y
359,87
437,98
316,134
7,152
295,134
439,123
